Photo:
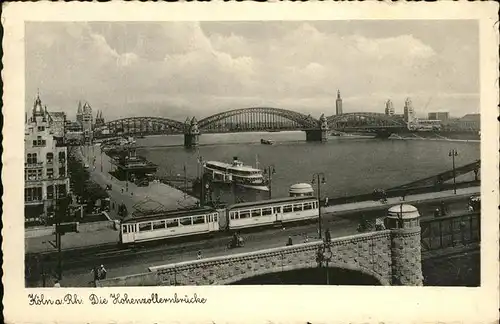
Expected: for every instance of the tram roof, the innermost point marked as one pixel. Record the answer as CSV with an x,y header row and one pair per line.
x,y
272,201
168,214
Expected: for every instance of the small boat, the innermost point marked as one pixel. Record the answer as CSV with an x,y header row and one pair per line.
x,y
267,142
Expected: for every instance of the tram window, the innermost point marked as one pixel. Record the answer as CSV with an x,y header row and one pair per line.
x,y
172,222
198,220
307,206
185,221
158,224
244,214
266,211
277,210
131,228
144,227
232,215
215,217
297,207
256,213
287,208
124,227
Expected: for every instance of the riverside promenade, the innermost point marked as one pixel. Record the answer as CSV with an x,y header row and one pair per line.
x,y
156,195
82,240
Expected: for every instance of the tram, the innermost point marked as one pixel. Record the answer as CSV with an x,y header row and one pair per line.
x,y
206,220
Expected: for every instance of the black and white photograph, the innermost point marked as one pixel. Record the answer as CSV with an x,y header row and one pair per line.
x,y
187,163
250,153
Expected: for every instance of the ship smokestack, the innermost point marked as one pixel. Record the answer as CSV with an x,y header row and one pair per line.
x,y
235,158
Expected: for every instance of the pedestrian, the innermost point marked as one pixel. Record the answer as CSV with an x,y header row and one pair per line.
x,y
289,241
436,212
199,255
95,272
102,273
326,202
306,239
57,284
328,237
403,196
470,208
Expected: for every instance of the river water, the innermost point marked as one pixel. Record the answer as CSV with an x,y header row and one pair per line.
x,y
351,165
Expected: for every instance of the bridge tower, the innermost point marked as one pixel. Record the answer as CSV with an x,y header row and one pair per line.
x,y
191,133
319,134
404,222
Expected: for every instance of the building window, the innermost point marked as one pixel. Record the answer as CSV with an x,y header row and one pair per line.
x,y
50,192
32,158
50,157
50,173
62,156
41,128
33,194
39,141
61,191
34,174
62,172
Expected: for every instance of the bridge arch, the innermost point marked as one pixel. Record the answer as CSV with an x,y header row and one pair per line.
x,y
236,279
144,125
257,119
364,120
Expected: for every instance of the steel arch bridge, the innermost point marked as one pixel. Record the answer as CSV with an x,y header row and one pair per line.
x,y
144,126
365,121
256,119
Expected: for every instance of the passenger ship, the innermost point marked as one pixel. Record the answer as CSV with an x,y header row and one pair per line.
x,y
237,173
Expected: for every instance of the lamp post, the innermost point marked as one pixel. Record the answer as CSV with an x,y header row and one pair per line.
x,y
269,171
325,254
452,154
319,179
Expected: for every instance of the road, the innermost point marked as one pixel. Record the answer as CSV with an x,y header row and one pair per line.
x,y
77,272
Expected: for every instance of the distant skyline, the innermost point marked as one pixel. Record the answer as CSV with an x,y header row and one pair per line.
x,y
181,69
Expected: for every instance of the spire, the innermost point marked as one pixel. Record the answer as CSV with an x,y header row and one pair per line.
x,y
79,111
37,106
338,94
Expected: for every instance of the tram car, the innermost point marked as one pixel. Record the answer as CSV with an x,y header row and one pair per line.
x,y
173,224
273,211
202,221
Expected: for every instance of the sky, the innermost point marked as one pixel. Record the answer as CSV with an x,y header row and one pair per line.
x,y
182,69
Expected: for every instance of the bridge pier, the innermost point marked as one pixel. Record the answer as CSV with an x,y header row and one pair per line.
x,y
320,134
406,255
191,133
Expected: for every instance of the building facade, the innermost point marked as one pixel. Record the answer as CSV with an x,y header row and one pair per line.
x,y
45,166
442,116
338,104
57,122
389,108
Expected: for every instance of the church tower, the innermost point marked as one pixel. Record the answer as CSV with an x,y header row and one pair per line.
x,y
338,104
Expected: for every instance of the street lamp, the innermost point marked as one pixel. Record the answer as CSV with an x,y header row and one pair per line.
x,y
269,171
325,254
319,179
452,154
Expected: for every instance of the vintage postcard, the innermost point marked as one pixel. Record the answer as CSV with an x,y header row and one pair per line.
x,y
245,162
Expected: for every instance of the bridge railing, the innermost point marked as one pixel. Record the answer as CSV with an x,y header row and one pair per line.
x,y
445,232
400,192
